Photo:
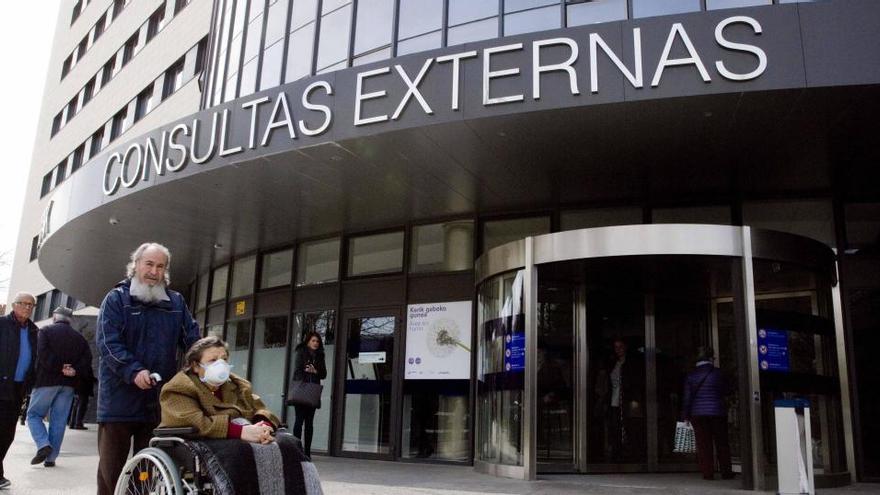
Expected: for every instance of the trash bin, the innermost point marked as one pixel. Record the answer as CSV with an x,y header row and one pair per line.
x,y
794,451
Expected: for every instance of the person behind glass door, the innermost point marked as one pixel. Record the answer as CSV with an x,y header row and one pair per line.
x,y
308,366
703,406
625,402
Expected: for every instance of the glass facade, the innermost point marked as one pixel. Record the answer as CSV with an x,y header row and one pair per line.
x,y
375,254
300,41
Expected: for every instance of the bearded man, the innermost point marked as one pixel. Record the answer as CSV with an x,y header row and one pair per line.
x,y
141,326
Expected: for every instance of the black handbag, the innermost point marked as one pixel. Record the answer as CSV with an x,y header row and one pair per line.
x,y
306,394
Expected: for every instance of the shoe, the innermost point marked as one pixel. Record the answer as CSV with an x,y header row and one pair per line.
x,y
4,483
42,454
49,464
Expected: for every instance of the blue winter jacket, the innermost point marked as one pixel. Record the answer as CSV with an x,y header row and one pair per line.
x,y
132,336
706,399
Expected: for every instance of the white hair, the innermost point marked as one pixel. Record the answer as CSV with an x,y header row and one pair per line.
x,y
58,317
139,252
21,295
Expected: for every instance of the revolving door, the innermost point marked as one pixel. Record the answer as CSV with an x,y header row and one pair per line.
x,y
557,313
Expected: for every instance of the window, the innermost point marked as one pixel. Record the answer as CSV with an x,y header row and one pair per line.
x,y
47,184
324,323
243,277
809,218
375,254
238,337
317,262
116,127
118,6
173,79
81,48
65,67
471,21
99,27
60,172
35,247
88,91
55,301
648,8
155,22
201,55
71,108
220,279
56,124
270,352
179,5
718,215
201,292
520,17
144,103
129,48
77,10
498,232
729,4
582,13
107,71
97,143
373,28
276,269
441,247
77,161
335,35
40,308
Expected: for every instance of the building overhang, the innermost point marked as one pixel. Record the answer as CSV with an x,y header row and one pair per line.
x,y
744,102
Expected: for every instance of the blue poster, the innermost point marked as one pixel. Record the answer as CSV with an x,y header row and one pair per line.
x,y
773,352
515,351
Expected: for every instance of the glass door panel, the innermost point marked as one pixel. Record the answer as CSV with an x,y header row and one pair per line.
x,y
369,379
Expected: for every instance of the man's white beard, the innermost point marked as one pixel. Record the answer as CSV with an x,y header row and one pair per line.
x,y
148,293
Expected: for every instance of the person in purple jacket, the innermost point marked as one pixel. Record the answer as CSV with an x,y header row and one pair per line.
x,y
703,406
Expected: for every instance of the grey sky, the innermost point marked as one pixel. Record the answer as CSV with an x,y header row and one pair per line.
x,y
26,30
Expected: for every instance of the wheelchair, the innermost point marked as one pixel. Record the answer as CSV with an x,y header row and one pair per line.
x,y
166,467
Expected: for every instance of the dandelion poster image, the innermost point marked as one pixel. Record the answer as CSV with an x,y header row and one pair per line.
x,y
438,340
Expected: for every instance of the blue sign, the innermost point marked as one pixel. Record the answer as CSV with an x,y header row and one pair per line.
x,y
515,351
773,352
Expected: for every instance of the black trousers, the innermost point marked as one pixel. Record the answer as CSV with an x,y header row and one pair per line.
x,y
114,442
709,432
305,416
78,410
9,411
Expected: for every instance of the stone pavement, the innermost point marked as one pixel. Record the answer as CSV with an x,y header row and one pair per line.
x,y
74,474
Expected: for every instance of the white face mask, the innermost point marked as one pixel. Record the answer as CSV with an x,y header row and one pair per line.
x,y
216,373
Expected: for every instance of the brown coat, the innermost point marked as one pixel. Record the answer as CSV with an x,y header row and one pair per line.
x,y
186,401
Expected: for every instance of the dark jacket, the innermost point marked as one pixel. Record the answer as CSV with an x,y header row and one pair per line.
x,y
304,357
59,344
632,385
706,399
9,347
132,336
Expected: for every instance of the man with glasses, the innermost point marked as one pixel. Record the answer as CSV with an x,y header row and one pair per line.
x,y
18,343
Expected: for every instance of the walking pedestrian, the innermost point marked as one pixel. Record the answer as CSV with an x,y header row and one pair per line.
x,y
703,406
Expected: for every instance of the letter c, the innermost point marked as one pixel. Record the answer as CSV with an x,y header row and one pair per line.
x,y
115,157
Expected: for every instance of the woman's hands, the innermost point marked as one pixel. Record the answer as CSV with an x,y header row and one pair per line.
x,y
258,433
310,368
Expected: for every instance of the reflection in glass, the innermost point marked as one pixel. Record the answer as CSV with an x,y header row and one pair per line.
x,y
474,31
730,4
648,8
252,43
532,20
243,277
304,12
556,364
717,215
809,218
419,16
420,43
214,331
500,328
238,336
202,292
218,285
270,345
277,269
435,419
498,232
373,25
335,35
599,217
317,262
595,12
323,322
276,23
299,53
368,380
248,78
375,254
271,75
461,11
442,247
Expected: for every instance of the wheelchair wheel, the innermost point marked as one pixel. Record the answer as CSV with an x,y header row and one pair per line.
x,y
150,471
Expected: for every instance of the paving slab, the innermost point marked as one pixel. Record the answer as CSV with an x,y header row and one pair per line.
x,y
75,474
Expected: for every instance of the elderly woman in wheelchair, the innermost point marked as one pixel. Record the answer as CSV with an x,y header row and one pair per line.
x,y
217,437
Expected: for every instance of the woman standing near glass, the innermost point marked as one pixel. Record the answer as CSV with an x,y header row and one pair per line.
x,y
308,366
